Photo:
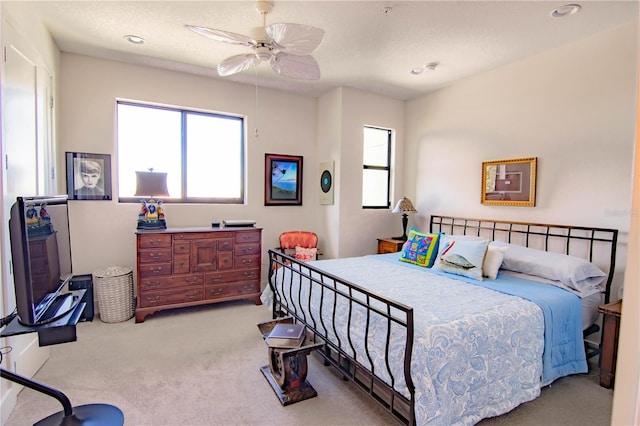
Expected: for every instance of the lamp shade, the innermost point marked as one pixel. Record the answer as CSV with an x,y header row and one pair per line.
x,y
404,206
151,184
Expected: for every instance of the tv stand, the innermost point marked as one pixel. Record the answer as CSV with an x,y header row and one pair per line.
x,y
62,329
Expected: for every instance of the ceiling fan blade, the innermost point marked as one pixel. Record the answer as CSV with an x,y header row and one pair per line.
x,y
295,39
237,63
223,36
294,66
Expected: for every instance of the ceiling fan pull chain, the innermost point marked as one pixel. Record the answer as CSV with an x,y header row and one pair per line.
x,y
256,128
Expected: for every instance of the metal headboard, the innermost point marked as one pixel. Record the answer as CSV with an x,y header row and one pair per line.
x,y
598,245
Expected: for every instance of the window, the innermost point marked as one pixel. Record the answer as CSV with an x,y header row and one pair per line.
x,y
202,153
376,168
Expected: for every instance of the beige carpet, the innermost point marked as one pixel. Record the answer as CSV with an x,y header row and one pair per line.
x,y
201,366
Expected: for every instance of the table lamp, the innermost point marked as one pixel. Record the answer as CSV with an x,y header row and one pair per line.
x,y
404,206
150,185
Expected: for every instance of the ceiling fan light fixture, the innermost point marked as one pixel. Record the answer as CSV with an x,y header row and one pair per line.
x,y
263,52
287,46
566,10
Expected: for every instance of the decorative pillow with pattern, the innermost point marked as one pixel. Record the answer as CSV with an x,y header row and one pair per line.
x,y
420,249
462,257
305,254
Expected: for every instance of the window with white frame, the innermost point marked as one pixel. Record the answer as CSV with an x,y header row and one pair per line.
x,y
201,152
376,167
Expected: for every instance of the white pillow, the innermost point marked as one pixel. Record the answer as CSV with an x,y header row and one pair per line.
x,y
577,273
461,256
493,261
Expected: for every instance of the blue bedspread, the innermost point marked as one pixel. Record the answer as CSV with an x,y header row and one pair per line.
x,y
563,341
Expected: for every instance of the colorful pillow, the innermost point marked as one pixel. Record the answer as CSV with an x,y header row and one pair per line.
x,y
305,254
420,249
493,261
461,256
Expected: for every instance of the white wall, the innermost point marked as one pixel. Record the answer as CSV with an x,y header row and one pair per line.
x,y
626,395
572,107
345,112
359,228
102,232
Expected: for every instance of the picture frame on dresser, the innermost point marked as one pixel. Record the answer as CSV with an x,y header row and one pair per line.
x,y
509,182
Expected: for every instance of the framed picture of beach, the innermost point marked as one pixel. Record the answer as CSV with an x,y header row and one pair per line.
x,y
282,180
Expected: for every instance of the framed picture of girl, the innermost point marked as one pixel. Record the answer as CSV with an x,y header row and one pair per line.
x,y
88,176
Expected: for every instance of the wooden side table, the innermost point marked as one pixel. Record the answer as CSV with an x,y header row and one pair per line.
x,y
609,342
287,369
389,245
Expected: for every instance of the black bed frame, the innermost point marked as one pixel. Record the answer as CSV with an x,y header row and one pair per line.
x,y
590,243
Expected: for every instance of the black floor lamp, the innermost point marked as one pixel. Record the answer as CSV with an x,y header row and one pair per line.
x,y
404,206
89,414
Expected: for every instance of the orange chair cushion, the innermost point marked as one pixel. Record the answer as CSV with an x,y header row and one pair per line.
x,y
293,239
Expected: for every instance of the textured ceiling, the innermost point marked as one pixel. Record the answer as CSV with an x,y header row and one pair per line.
x,y
363,48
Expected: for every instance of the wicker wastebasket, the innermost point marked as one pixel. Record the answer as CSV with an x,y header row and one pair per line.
x,y
114,290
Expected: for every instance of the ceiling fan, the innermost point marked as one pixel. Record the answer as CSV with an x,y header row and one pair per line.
x,y
287,47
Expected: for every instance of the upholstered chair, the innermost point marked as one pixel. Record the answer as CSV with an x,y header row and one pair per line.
x,y
302,245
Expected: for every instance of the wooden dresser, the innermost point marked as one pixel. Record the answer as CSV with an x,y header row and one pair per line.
x,y
194,266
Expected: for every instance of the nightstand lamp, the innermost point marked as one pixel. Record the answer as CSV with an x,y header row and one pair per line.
x,y
151,185
404,206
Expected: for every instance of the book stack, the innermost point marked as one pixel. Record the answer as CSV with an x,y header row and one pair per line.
x,y
286,336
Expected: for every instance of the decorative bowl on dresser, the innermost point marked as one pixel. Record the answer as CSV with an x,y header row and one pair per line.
x,y
182,267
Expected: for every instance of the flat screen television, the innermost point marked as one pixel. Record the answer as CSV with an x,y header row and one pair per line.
x,y
41,257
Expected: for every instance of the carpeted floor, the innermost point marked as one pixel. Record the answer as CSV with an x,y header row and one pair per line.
x,y
201,366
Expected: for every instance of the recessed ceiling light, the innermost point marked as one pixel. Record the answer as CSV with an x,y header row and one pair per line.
x,y
566,10
429,67
134,39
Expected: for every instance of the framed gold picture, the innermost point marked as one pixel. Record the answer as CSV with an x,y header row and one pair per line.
x,y
509,182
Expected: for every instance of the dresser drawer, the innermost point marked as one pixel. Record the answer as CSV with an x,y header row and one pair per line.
x,y
181,263
246,262
154,240
231,277
248,236
154,269
158,255
152,284
181,247
202,235
225,244
226,290
245,249
225,260
181,295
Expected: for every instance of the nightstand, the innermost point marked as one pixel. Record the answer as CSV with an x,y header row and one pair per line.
x,y
389,245
609,342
